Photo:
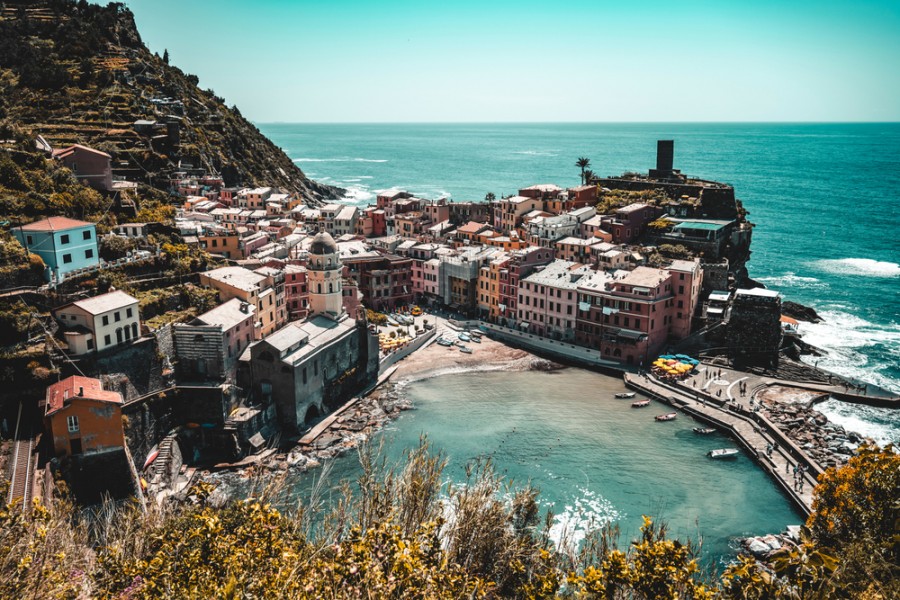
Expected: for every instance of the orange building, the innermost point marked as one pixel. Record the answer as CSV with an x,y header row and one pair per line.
x,y
81,417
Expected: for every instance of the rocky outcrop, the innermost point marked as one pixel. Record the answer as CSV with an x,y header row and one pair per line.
x,y
799,312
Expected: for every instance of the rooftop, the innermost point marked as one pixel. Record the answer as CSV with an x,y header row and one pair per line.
x,y
562,274
226,315
238,277
105,302
758,292
55,224
75,387
704,225
645,277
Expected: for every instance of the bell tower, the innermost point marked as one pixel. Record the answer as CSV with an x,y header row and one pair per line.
x,y
324,276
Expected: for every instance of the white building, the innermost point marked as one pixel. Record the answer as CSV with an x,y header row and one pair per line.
x,y
101,322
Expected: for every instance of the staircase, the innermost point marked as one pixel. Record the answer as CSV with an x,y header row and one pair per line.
x,y
160,466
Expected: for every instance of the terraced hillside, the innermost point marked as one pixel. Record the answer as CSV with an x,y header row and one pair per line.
x,y
75,72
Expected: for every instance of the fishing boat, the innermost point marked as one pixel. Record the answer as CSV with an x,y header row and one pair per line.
x,y
444,342
667,417
640,404
704,430
723,453
465,336
475,335
624,395
465,349
391,321
477,340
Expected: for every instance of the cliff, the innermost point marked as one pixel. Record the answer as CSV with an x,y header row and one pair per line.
x,y
75,72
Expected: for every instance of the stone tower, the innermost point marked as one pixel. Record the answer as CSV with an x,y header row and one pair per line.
x,y
324,276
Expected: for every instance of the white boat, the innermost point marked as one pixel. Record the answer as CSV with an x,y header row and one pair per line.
x,y
477,340
444,342
391,321
667,417
465,336
640,404
704,430
625,395
723,453
465,349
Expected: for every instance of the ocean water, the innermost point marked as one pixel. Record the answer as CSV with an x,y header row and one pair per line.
x,y
593,457
825,199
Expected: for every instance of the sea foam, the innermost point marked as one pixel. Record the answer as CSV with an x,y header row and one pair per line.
x,y
585,514
792,280
342,159
866,267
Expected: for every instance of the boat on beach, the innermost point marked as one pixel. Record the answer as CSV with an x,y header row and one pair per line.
x,y
640,404
704,430
723,453
444,342
667,417
391,321
465,349
477,340
624,395
465,336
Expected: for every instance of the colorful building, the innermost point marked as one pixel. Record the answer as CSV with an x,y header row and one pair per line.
x,y
81,417
99,323
65,245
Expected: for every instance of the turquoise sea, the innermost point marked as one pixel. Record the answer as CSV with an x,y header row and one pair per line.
x,y
825,202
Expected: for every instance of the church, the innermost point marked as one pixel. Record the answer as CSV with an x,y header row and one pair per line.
x,y
308,368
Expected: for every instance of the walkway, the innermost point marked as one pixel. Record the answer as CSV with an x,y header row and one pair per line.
x,y
21,473
752,431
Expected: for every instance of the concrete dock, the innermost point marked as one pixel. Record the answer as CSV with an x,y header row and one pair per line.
x,y
752,430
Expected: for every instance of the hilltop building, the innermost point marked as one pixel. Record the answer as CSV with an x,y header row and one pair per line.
x,y
99,323
65,245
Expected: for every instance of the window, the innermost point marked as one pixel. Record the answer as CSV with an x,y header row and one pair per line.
x,y
107,340
128,312
90,344
72,422
86,235
64,238
89,253
28,240
67,258
117,316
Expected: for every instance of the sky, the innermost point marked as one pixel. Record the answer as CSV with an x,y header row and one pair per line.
x,y
338,61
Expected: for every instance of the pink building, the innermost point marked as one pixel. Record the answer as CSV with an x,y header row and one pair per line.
x,y
629,222
91,167
548,299
633,319
296,292
521,264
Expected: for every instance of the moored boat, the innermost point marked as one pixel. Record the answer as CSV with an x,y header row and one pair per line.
x,y
704,430
723,453
625,395
150,458
444,342
477,340
465,336
666,417
640,404
465,349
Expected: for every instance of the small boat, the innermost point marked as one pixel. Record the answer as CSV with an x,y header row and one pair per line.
x,y
475,335
444,342
723,453
477,340
150,458
465,336
465,349
624,395
416,311
666,417
640,404
391,321
704,430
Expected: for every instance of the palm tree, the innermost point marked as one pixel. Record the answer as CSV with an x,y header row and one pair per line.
x,y
583,163
586,176
490,197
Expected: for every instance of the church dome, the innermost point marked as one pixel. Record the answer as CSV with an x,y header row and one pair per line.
x,y
323,244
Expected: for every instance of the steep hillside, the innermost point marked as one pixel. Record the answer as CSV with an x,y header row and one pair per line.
x,y
76,72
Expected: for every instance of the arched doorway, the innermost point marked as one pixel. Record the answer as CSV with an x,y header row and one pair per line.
x,y
312,414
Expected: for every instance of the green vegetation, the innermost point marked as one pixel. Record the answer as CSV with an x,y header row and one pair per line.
x,y
611,200
402,533
583,163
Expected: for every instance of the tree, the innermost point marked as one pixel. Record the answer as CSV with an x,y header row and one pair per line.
x,y
583,163
166,56
587,175
489,197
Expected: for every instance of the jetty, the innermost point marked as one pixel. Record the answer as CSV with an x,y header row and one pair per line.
x,y
751,430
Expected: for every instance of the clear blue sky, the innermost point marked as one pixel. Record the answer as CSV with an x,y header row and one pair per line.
x,y
559,60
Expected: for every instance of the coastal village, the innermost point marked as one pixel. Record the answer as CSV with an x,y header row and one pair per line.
x,y
310,306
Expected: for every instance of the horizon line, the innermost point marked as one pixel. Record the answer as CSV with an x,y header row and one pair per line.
x,y
576,122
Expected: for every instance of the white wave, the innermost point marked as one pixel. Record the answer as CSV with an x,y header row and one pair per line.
x,y
364,160
842,335
792,280
536,153
587,513
866,267
880,424
357,194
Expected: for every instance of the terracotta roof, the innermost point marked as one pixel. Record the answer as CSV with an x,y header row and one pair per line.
x,y
64,152
77,387
55,224
473,227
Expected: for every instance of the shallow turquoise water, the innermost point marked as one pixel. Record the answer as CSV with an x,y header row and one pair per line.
x,y
593,457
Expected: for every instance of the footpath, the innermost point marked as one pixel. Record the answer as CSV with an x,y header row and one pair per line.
x,y
753,431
